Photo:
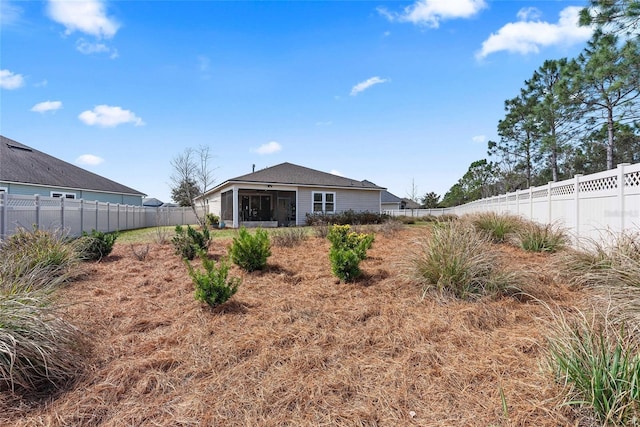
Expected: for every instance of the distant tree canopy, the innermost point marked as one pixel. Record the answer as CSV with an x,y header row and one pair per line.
x,y
573,116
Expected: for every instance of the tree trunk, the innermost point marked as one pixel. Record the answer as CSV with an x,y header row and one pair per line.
x,y
610,140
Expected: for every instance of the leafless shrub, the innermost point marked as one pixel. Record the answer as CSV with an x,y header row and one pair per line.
x,y
140,252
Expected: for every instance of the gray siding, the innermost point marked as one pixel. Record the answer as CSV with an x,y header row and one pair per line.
x,y
355,200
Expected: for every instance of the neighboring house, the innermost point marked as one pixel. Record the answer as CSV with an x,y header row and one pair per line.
x,y
282,195
410,204
27,171
391,202
151,202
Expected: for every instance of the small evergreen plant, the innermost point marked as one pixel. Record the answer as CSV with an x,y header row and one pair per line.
x,y
97,245
250,252
188,241
347,250
213,286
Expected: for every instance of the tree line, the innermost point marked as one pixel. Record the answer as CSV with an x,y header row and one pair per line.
x,y
573,116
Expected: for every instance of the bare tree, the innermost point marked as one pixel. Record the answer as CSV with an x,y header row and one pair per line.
x,y
413,193
193,166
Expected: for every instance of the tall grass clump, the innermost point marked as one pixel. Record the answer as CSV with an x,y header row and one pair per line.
x,y
600,362
38,350
250,252
348,248
499,227
456,260
213,286
288,237
535,237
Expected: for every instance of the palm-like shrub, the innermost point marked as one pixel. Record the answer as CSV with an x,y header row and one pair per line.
x,y
456,259
213,286
250,252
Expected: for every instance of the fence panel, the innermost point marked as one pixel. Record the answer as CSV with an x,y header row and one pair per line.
x,y
76,216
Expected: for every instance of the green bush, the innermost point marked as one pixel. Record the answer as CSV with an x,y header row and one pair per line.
x,y
188,241
250,252
96,245
602,364
38,350
541,238
347,250
348,217
212,220
213,286
456,259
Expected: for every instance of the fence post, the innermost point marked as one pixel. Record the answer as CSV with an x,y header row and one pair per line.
x,y
621,187
37,200
62,212
81,215
576,200
549,218
4,196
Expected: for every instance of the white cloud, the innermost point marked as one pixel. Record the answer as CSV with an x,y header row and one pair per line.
x,y
43,107
269,148
89,159
10,14
107,116
89,48
336,172
529,13
10,80
366,85
87,16
479,138
432,12
528,36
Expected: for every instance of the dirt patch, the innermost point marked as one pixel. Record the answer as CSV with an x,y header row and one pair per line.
x,y
294,347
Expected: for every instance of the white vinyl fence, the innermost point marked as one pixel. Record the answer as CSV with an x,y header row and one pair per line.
x,y
590,206
76,216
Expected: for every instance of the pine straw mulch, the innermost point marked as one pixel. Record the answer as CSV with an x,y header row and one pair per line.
x,y
293,347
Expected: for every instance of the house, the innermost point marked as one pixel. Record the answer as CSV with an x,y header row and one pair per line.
x,y
284,194
27,171
391,202
410,204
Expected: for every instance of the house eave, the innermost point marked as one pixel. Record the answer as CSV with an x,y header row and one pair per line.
x,y
73,188
291,185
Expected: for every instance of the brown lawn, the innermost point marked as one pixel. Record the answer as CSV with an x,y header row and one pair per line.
x,y
295,348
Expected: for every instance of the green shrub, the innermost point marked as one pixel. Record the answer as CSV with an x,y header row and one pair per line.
x,y
602,365
188,241
348,217
497,226
289,237
213,286
38,350
347,250
541,238
96,245
455,259
250,252
212,220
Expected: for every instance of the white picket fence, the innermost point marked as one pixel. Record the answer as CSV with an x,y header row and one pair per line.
x,y
592,206
76,216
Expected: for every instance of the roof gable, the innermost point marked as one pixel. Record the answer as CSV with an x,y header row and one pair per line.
x,y
290,174
22,164
387,197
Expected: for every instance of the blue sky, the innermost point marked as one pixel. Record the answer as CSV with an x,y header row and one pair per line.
x,y
399,93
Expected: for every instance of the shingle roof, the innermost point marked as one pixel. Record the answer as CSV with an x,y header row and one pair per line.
x,y
23,164
387,197
290,174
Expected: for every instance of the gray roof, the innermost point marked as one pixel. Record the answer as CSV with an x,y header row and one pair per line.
x,y
290,174
410,204
152,202
387,197
22,164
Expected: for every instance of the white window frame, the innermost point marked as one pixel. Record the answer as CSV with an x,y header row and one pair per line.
x,y
324,201
4,190
63,195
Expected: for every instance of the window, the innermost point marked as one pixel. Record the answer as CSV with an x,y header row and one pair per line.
x,y
59,194
324,202
4,190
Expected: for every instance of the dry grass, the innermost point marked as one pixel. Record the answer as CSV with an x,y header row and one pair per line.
x,y
293,347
